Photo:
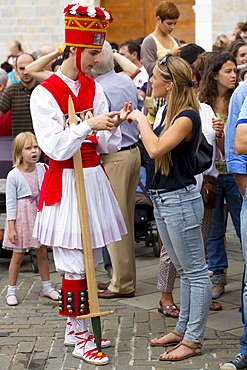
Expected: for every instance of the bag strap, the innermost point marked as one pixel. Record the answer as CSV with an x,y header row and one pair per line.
x,y
144,189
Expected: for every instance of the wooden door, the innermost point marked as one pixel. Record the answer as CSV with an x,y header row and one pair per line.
x,y
135,18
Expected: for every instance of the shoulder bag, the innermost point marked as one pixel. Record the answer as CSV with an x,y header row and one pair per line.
x,y
203,156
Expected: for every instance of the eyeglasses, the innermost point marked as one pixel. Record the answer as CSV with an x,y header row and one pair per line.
x,y
164,61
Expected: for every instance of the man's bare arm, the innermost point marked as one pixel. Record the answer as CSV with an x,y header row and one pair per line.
x,y
36,68
240,140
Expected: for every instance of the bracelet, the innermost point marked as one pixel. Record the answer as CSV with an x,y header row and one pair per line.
x,y
219,136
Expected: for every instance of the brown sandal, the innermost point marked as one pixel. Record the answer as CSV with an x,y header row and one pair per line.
x,y
169,310
168,343
215,306
194,348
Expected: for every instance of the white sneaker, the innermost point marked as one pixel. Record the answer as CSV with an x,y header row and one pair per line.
x,y
53,294
11,300
86,350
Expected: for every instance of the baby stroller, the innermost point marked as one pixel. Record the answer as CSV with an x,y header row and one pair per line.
x,y
5,167
144,223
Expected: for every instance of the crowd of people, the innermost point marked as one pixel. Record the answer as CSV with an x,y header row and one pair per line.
x,y
157,93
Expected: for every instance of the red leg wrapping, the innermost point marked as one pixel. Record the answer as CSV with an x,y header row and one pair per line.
x,y
73,298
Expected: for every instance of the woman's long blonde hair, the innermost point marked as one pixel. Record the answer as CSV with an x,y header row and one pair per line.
x,y
181,97
18,145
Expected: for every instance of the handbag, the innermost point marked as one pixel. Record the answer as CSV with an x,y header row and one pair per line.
x,y
209,191
203,156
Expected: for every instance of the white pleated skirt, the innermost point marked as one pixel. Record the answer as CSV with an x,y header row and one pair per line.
x,y
59,225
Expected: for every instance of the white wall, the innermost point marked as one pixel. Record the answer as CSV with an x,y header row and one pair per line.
x,y
33,23
215,17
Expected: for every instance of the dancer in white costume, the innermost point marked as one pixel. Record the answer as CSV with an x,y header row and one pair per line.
x,y
57,223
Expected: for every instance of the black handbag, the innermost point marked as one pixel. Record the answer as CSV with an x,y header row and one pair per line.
x,y
203,156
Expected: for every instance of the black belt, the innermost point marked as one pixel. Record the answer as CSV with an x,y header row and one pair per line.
x,y
127,147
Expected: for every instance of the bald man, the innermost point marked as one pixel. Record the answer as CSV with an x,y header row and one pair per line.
x,y
16,97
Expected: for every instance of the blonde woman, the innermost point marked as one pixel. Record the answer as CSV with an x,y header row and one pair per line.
x,y
178,206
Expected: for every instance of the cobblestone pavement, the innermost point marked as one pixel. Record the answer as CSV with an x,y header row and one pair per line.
x,y
32,333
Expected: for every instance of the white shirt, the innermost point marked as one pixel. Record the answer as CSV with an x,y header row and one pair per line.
x,y
141,77
59,143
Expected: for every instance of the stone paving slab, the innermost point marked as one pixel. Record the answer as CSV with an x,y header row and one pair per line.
x,y
32,333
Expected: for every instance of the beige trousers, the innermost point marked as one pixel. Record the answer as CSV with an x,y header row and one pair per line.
x,y
123,169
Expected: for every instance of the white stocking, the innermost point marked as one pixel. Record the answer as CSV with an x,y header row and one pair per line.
x,y
82,334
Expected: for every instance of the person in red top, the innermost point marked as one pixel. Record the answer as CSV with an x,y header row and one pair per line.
x,y
57,221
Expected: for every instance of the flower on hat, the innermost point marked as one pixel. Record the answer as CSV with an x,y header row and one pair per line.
x,y
89,11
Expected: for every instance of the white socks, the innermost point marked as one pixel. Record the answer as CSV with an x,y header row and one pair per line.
x,y
12,290
47,287
79,325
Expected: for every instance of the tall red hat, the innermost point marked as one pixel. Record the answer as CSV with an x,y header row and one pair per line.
x,y
86,25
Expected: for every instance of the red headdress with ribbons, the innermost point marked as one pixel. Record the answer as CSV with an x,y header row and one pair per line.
x,y
85,27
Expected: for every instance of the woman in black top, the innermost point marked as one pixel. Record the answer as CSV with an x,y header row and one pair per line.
x,y
178,206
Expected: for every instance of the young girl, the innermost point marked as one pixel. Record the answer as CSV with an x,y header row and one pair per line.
x,y
178,207
22,192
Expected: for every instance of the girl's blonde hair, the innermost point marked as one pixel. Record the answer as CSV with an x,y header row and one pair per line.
x,y
181,97
18,145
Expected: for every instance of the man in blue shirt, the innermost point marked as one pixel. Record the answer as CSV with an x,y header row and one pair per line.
x,y
236,164
236,157
123,169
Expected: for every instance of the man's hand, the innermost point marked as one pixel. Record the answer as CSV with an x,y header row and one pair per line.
x,y
102,121
106,122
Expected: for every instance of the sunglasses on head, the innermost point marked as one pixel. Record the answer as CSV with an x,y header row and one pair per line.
x,y
164,61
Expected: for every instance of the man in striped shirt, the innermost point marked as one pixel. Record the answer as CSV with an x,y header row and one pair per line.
x,y
16,97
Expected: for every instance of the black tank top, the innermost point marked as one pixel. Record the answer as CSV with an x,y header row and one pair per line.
x,y
183,159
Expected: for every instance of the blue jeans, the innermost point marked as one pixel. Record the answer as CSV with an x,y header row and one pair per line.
x,y
106,259
178,216
243,216
215,247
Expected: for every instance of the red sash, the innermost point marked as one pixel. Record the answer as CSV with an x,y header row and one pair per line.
x,y
51,190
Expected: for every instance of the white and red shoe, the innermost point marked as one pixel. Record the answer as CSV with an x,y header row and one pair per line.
x,y
87,351
70,339
105,343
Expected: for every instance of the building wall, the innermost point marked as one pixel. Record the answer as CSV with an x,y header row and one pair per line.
x,y
33,23
216,17
38,22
